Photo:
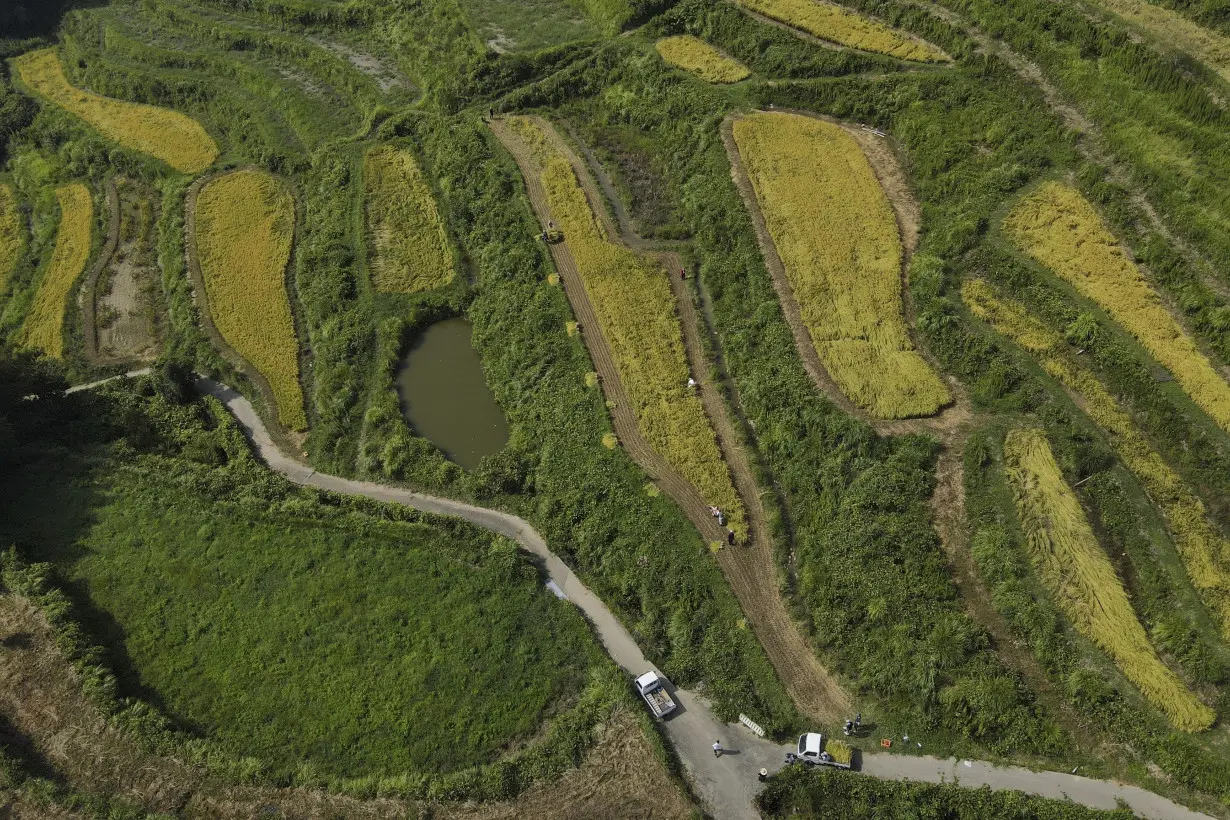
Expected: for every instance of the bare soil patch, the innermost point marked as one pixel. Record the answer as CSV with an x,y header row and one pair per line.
x,y
128,294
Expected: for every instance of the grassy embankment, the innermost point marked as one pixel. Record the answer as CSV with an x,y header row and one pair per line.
x,y
698,57
837,237
245,225
408,248
10,235
44,326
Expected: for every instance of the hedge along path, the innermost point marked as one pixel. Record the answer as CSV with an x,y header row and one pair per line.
x,y
695,56
240,228
1204,551
750,570
10,235
43,328
1082,580
1059,228
169,136
408,247
835,24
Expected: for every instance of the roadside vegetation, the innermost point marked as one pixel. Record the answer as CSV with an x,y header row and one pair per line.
x,y
695,55
170,136
44,325
839,25
245,226
837,237
1082,580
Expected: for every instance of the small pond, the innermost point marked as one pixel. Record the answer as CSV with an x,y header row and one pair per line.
x,y
444,397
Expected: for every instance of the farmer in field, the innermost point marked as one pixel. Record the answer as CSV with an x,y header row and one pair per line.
x,y
717,748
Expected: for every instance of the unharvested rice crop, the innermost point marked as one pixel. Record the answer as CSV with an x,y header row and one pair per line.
x,y
1205,553
844,27
636,310
408,249
10,235
695,55
175,138
1060,229
837,237
1078,574
44,326
245,222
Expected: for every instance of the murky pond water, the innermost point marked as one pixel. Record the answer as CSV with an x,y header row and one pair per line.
x,y
444,397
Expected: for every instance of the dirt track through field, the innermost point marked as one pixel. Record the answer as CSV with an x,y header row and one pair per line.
x,y
750,568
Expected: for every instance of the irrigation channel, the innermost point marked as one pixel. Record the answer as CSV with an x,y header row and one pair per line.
x,y
727,785
444,397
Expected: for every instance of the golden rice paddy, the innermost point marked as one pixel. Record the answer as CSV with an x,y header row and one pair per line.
x,y
10,235
698,57
1082,580
245,223
43,328
408,248
636,310
172,137
1060,229
844,27
1205,553
837,237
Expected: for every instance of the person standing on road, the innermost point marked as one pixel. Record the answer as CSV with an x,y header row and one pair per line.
x,y
717,748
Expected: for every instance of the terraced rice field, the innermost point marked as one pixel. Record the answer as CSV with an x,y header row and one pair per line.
x,y
172,137
1059,228
841,26
1175,30
1205,553
408,248
837,237
245,224
636,309
10,235
698,57
44,326
1078,574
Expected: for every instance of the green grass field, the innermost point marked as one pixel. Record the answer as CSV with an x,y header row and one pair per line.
x,y
527,25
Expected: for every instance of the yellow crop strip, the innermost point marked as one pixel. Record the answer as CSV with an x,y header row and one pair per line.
x,y
408,248
837,237
1082,580
632,299
695,55
175,138
245,223
10,235
44,326
1060,229
844,27
1205,553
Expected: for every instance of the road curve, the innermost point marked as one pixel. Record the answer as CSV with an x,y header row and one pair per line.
x,y
725,785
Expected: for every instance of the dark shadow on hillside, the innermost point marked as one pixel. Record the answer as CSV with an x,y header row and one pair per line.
x,y
18,745
22,19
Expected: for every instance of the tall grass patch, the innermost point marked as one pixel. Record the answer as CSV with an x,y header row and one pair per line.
x,y
694,55
1078,574
1175,31
844,27
172,137
1205,553
10,235
635,306
245,223
408,248
44,325
1059,228
838,240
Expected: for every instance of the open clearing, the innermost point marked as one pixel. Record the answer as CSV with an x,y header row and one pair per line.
x,y
245,225
409,250
175,138
44,326
698,57
1082,580
838,240
839,25
1059,228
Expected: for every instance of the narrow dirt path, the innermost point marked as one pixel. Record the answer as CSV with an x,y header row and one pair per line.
x,y
89,292
750,569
